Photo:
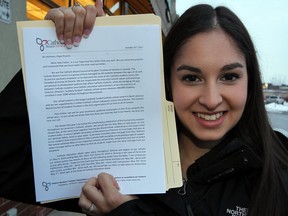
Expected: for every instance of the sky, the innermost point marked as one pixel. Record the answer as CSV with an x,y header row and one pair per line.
x,y
267,23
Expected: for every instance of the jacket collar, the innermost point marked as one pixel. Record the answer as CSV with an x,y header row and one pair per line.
x,y
227,159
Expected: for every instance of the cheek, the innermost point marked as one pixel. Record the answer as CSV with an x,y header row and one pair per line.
x,y
239,100
176,95
242,102
181,96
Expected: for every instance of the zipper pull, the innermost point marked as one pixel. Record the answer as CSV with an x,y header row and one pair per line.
x,y
182,190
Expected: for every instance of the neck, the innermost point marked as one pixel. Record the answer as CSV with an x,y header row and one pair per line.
x,y
191,149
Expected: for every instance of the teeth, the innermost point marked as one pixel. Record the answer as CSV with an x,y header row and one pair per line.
x,y
210,117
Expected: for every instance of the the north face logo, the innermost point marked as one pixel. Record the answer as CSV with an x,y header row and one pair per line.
x,y
238,211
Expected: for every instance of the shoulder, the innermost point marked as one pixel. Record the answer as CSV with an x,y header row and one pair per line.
x,y
13,100
282,138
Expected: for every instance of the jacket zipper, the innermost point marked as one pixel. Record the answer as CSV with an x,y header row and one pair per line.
x,y
182,192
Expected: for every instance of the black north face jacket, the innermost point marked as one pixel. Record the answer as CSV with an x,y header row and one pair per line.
x,y
219,183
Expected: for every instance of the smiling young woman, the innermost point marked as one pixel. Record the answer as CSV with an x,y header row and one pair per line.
x,y
210,56
230,156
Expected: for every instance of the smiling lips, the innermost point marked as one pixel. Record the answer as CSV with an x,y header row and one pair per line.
x,y
212,117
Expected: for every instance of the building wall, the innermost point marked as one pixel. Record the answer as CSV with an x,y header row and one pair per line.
x,y
9,51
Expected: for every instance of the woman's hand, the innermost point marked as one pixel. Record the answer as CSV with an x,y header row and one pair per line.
x,y
101,195
74,22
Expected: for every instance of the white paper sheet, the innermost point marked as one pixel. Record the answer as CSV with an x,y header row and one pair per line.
x,y
95,108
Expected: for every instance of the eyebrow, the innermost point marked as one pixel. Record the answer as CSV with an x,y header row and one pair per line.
x,y
197,70
189,68
232,66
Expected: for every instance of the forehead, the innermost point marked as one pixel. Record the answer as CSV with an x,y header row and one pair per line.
x,y
214,45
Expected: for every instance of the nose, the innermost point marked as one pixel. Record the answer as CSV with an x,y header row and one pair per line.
x,y
211,97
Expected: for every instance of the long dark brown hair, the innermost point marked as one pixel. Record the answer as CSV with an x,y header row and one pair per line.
x,y
270,197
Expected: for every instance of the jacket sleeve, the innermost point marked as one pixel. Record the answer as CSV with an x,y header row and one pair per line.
x,y
16,173
133,208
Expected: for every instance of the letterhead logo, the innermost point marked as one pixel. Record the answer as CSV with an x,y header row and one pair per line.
x,y
43,43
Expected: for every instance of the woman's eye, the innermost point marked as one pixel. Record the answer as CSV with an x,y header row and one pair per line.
x,y
190,78
230,77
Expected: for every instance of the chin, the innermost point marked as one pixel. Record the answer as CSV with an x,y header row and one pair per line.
x,y
210,137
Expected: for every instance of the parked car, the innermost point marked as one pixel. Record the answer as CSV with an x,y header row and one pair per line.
x,y
279,100
270,99
274,99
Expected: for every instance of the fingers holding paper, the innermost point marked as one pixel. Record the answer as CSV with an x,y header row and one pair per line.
x,y
101,195
73,23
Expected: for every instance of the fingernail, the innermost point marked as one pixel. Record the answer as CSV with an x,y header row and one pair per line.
x,y
77,41
69,43
86,33
61,39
